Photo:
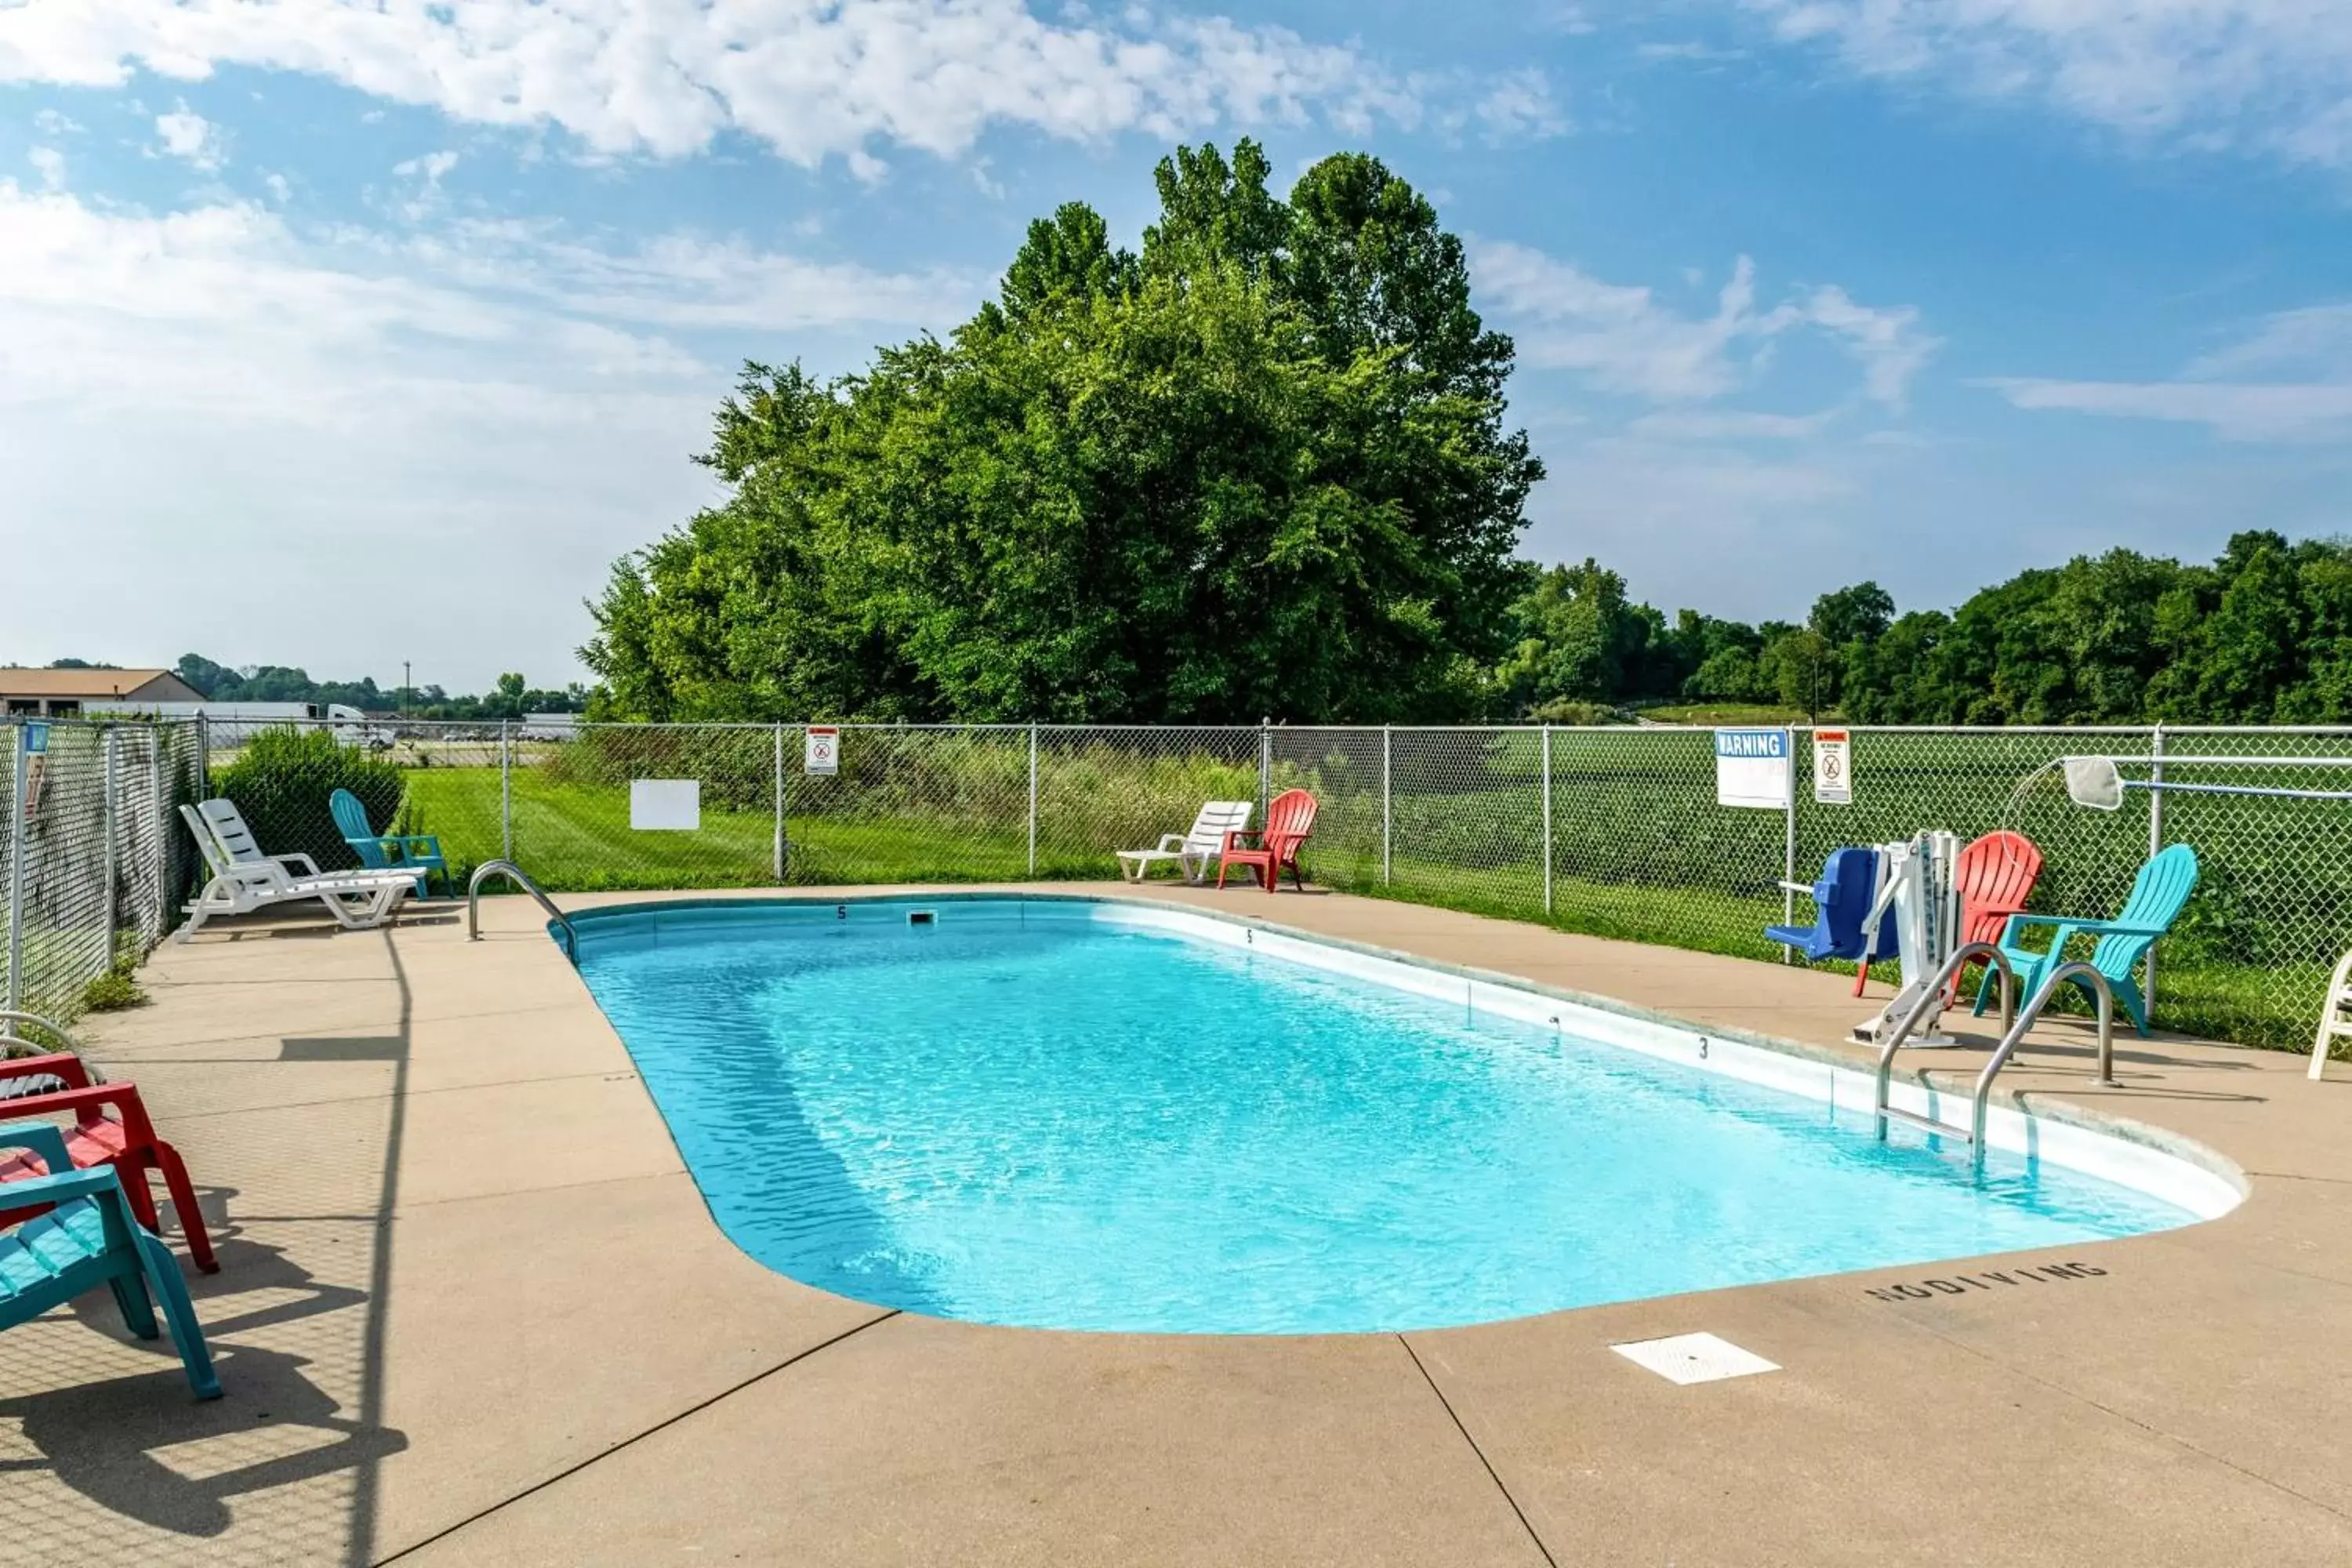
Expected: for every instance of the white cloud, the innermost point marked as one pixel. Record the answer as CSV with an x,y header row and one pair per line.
x,y
429,168
2274,74
2311,346
809,77
1729,425
1623,338
421,197
494,403
2317,340
192,138
1691,50
1522,107
2234,411
50,164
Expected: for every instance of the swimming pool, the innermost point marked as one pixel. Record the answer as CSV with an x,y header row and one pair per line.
x,y
1079,1114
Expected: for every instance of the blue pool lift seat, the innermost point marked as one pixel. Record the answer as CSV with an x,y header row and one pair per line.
x,y
1842,901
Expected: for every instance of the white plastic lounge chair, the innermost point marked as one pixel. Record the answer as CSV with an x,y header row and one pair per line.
x,y
227,825
244,879
1194,851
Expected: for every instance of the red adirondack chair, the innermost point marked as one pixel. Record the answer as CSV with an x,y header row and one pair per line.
x,y
1289,823
1993,875
126,1141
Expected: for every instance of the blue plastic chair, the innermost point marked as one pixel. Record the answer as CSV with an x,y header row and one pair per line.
x,y
2158,894
382,851
89,1238
1842,900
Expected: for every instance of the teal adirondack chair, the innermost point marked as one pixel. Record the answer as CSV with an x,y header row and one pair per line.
x,y
89,1238
2158,894
380,851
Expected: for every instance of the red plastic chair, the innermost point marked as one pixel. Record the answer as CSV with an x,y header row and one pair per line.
x,y
1289,823
1994,876
126,1141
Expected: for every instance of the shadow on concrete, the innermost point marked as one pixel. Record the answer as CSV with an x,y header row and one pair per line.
x,y
105,1440
141,1448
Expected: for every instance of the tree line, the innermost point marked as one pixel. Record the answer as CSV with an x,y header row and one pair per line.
x,y
511,697
2261,635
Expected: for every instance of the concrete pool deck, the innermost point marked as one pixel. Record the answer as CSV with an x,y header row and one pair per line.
x,y
472,1309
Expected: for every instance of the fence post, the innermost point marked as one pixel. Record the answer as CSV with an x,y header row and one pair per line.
x,y
2155,843
16,867
1385,736
779,856
1264,766
1546,818
1789,845
113,847
1033,797
506,792
203,757
163,842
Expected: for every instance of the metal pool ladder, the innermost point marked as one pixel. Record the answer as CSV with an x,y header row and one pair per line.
x,y
514,873
2017,1025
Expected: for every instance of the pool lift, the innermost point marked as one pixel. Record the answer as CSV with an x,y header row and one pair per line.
x,y
1916,891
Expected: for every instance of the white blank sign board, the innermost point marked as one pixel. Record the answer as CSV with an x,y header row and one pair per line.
x,y
1751,768
665,805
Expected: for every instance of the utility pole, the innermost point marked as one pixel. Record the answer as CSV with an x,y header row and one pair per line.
x,y
404,684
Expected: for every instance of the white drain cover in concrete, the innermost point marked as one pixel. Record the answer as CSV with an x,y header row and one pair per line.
x,y
1694,1357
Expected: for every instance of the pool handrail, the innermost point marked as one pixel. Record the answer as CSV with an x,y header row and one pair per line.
x,y
1930,998
2073,969
515,874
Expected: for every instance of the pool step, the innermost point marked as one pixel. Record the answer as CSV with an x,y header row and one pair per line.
x,y
1927,1123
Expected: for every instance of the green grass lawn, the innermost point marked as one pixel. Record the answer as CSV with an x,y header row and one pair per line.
x,y
577,838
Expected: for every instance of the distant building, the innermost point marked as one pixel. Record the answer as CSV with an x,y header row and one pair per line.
x,y
62,693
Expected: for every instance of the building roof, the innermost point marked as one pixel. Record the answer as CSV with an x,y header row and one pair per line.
x,y
96,684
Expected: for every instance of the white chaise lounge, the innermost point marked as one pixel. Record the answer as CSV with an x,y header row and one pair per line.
x,y
244,879
1196,851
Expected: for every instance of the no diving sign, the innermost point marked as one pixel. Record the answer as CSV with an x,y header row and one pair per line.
x,y
1833,767
821,754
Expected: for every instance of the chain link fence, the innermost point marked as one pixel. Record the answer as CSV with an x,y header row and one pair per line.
x,y
92,855
1614,831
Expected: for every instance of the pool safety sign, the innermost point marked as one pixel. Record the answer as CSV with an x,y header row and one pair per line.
x,y
1833,767
665,805
820,753
1751,768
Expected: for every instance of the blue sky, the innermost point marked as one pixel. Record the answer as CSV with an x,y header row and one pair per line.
x,y
339,335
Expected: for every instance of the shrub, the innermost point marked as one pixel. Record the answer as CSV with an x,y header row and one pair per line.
x,y
736,766
112,992
282,781
1568,711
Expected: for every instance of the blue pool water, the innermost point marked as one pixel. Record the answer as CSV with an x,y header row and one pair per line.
x,y
1021,1115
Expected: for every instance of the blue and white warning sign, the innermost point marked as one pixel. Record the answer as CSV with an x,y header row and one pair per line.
x,y
1751,768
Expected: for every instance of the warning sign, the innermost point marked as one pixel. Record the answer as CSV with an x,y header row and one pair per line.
x,y
1751,768
1833,767
821,754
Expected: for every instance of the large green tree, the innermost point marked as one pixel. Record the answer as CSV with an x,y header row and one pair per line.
x,y
1259,468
